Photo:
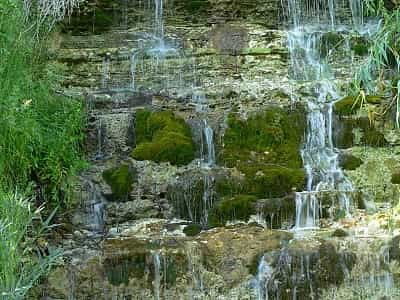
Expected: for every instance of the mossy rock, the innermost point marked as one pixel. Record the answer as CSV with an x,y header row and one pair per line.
x,y
330,41
346,106
91,18
186,197
354,130
350,162
192,229
396,177
374,138
120,180
265,149
196,6
360,49
120,270
350,105
163,137
360,46
272,181
240,207
340,233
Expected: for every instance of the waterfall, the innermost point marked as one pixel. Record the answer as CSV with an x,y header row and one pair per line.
x,y
133,70
208,132
263,278
159,22
100,139
208,198
105,72
310,21
157,275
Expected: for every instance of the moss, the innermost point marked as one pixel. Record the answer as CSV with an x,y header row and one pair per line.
x,y
265,148
186,197
90,19
396,177
196,6
192,229
329,41
240,207
360,48
120,270
228,186
368,135
120,180
345,106
255,262
340,233
257,51
162,137
272,181
350,162
176,267
348,105
372,137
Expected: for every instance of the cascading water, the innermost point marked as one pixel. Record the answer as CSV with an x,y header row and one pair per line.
x,y
208,133
263,278
133,70
105,72
157,275
311,20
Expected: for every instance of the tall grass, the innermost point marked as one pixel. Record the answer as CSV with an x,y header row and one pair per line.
x,y
40,143
378,74
21,263
40,133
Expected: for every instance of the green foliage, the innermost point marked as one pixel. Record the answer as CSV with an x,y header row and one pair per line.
x,y
163,137
40,142
384,54
40,133
21,262
120,180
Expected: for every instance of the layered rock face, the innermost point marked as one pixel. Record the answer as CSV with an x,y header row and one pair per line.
x,y
195,131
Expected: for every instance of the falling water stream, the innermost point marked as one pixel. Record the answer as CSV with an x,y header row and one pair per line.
x,y
310,21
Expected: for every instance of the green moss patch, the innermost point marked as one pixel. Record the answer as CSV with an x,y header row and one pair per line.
x,y
120,180
196,6
163,137
396,177
265,148
192,229
240,207
350,162
358,131
350,105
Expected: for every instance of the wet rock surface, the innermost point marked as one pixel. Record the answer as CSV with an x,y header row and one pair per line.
x,y
148,228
